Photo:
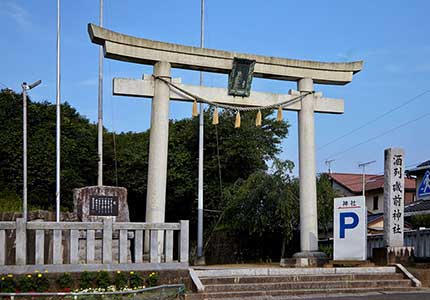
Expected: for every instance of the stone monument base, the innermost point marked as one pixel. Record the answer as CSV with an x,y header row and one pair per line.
x,y
349,263
305,260
392,255
200,261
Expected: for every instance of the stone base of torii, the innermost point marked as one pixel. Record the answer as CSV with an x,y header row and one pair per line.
x,y
164,56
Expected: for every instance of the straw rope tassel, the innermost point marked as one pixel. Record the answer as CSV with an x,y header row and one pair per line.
x,y
258,119
215,119
279,118
195,113
237,123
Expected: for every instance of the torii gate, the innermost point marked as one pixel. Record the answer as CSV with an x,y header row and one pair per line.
x,y
164,56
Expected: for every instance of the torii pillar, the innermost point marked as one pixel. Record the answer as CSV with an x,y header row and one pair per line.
x,y
158,148
164,56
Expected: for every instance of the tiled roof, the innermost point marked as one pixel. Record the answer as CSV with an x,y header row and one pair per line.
x,y
420,169
374,217
418,206
424,164
354,183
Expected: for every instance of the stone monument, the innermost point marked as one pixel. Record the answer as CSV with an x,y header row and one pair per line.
x,y
95,203
394,191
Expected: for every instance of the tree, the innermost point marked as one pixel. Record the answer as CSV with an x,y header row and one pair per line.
x,y
325,197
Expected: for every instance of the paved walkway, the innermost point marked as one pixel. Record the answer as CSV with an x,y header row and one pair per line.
x,y
422,295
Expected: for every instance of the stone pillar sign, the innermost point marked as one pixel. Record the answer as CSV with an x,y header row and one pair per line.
x,y
393,251
394,189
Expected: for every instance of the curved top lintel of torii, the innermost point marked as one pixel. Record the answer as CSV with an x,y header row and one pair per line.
x,y
143,51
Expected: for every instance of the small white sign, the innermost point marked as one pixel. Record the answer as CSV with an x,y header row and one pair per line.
x,y
350,228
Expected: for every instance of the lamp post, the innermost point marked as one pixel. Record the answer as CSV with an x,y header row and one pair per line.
x,y
25,88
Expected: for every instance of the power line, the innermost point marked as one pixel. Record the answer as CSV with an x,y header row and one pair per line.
x,y
377,136
375,119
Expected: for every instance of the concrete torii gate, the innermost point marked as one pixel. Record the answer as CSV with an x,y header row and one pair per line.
x,y
164,56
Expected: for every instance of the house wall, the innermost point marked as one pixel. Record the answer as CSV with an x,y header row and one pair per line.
x,y
341,190
369,201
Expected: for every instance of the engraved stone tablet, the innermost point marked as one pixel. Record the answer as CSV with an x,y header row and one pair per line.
x,y
103,205
95,203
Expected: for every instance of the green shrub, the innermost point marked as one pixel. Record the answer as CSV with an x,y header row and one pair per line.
x,y
152,279
7,284
26,284
9,201
65,281
120,280
136,280
86,280
103,279
41,283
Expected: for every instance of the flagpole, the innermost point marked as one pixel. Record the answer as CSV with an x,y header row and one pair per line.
x,y
58,129
100,108
200,256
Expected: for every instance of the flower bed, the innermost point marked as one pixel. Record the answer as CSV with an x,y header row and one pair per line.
x,y
101,281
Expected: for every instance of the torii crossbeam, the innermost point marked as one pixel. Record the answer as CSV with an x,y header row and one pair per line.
x,y
164,56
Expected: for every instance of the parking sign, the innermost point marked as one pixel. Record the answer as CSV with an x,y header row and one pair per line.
x,y
350,228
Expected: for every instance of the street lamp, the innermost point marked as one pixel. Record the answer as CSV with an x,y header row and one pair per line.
x,y
25,87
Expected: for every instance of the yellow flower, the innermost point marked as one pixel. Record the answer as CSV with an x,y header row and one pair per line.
x,y
131,272
118,272
29,275
39,275
9,275
2,278
46,271
36,271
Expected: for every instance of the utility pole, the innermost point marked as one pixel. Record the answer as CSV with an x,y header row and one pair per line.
x,y
363,165
58,128
100,108
200,256
328,164
25,88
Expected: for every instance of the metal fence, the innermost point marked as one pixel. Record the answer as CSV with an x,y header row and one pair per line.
x,y
419,239
163,292
74,244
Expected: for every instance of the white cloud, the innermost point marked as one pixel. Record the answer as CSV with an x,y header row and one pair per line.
x,y
18,14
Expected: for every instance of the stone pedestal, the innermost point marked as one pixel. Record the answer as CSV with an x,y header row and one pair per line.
x,y
393,255
82,203
307,259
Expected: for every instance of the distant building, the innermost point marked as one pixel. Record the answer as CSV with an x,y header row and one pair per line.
x,y
348,184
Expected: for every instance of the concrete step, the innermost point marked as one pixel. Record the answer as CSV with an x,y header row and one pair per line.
x,y
277,286
282,294
298,278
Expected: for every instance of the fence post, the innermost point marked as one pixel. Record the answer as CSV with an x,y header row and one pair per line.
x,y
107,241
154,255
3,248
21,242
184,242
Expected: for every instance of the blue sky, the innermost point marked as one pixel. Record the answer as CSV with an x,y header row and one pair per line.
x,y
391,36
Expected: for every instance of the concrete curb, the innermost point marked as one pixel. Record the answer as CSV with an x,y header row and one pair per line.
x,y
403,270
196,280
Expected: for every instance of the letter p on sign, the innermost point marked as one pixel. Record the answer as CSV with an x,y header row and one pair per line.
x,y
343,218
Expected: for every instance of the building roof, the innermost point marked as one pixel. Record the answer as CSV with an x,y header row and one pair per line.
x,y
417,208
354,182
420,168
374,217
